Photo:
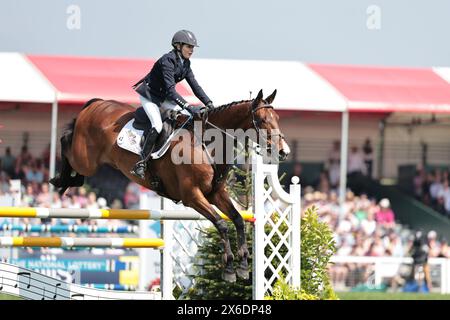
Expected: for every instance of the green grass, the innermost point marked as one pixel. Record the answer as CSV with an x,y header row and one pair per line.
x,y
391,296
8,297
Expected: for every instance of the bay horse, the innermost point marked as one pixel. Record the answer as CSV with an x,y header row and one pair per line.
x,y
90,141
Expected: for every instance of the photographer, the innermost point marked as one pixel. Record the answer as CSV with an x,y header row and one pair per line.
x,y
419,253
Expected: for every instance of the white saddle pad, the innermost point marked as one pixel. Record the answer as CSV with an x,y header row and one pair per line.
x,y
129,139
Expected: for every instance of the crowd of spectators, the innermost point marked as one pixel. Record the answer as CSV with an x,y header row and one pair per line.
x,y
433,189
33,173
365,226
359,168
368,228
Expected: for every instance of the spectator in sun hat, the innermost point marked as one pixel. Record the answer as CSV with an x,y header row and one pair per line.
x,y
385,216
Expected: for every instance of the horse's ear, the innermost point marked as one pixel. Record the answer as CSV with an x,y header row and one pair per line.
x,y
270,98
260,95
258,99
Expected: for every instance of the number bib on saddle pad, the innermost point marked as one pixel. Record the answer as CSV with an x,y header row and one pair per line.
x,y
129,139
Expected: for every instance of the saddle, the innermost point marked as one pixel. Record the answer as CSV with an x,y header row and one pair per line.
x,y
142,122
133,133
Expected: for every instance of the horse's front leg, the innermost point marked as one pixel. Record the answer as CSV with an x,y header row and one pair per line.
x,y
221,200
196,200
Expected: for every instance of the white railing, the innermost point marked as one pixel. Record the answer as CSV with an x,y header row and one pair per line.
x,y
375,271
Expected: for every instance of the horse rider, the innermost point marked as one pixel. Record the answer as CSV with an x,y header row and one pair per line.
x,y
157,90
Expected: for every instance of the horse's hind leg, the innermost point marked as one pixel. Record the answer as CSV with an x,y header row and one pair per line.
x,y
198,202
222,201
64,179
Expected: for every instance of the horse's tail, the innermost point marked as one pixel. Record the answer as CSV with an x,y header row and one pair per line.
x,y
64,179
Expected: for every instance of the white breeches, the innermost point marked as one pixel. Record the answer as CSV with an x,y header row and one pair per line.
x,y
154,112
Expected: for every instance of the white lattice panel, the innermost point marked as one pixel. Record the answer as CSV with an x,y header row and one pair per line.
x,y
276,242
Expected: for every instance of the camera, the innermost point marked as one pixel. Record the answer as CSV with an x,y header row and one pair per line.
x,y
419,250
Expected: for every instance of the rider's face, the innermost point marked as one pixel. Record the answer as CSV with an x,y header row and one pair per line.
x,y
187,51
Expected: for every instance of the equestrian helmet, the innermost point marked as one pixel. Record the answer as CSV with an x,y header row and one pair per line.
x,y
184,36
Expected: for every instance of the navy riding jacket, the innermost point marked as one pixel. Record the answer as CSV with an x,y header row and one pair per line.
x,y
159,84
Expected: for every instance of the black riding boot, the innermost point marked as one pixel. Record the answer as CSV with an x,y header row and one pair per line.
x,y
147,148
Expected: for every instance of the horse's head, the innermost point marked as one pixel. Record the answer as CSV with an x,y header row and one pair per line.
x,y
265,121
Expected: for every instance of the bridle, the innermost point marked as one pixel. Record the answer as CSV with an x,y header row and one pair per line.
x,y
256,124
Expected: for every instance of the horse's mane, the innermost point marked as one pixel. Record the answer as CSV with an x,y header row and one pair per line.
x,y
221,108
190,124
228,105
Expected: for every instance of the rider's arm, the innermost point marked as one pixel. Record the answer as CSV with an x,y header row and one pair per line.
x,y
168,71
198,91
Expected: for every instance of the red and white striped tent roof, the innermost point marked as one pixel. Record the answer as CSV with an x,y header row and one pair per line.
x,y
75,80
388,89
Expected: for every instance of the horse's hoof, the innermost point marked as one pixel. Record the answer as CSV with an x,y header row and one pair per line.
x,y
229,277
242,273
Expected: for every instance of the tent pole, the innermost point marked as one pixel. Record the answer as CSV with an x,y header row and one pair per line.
x,y
382,128
343,164
54,131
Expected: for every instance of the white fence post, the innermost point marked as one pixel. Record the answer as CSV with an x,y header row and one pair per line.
x,y
258,230
296,218
268,204
166,258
